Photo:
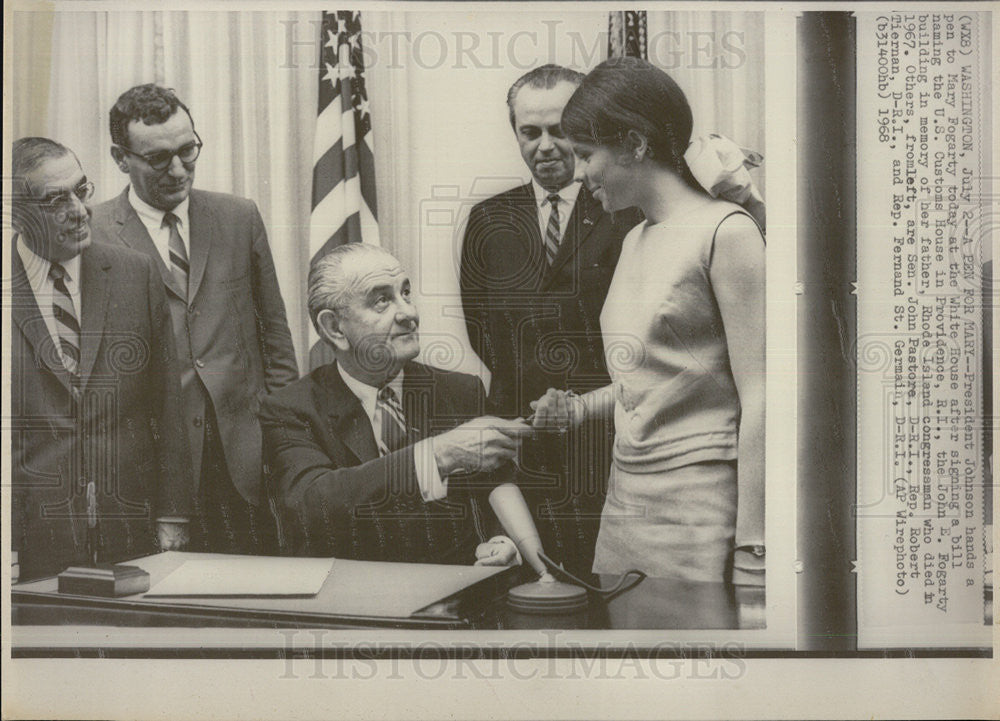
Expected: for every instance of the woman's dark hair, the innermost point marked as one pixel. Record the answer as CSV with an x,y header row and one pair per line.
x,y
626,93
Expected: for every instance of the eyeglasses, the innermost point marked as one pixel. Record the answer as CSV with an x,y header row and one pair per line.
x,y
63,202
162,159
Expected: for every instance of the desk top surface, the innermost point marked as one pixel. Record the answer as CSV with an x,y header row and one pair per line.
x,y
399,597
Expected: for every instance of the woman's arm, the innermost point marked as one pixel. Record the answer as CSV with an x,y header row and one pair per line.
x,y
565,409
737,275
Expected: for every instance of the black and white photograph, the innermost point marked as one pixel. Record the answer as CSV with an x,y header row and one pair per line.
x,y
500,346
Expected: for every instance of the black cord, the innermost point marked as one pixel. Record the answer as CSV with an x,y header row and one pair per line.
x,y
624,583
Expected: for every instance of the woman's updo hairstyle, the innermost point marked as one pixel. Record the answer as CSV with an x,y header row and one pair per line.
x,y
626,93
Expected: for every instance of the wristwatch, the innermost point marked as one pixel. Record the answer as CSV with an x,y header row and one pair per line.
x,y
757,550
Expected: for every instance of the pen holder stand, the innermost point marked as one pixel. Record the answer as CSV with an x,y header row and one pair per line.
x,y
105,580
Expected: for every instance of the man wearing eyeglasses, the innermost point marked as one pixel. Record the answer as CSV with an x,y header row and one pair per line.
x,y
99,468
228,315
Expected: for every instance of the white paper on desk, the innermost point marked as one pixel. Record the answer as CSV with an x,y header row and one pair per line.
x,y
246,576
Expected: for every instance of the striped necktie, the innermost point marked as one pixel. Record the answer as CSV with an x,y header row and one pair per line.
x,y
393,422
67,324
178,253
552,231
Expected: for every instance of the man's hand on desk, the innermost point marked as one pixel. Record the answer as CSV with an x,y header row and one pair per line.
x,y
172,533
498,551
480,445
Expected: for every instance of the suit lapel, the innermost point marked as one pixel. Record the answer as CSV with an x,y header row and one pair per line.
x,y
95,289
586,213
528,207
419,398
28,318
525,205
347,417
133,233
199,240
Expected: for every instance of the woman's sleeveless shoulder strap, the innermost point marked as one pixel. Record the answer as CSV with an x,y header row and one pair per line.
x,y
730,214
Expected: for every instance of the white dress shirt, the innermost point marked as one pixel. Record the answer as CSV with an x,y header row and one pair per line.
x,y
567,199
432,486
152,218
37,269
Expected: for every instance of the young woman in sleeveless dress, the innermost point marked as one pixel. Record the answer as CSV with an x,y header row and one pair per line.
x,y
683,330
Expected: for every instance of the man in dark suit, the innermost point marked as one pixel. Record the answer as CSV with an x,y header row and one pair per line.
x,y
228,315
374,456
99,466
536,264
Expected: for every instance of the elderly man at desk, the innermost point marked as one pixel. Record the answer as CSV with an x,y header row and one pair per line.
x,y
374,456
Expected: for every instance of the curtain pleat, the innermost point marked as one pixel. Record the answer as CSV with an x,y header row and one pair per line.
x,y
441,133
254,116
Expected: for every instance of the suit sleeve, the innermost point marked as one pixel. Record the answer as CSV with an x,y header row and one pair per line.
x,y
476,487
312,489
473,287
276,349
175,494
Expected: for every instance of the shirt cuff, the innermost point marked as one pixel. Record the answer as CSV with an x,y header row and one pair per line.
x,y
432,486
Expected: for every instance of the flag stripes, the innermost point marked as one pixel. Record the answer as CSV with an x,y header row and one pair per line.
x,y
344,202
344,165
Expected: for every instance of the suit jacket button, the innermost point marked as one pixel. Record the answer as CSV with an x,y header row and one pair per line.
x,y
197,421
200,363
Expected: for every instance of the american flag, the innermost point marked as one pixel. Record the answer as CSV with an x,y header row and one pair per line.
x,y
344,208
627,33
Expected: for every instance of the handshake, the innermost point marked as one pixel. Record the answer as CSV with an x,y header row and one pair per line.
x,y
480,445
483,445
486,443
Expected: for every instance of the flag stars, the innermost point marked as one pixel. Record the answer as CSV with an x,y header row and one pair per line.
x,y
332,74
341,23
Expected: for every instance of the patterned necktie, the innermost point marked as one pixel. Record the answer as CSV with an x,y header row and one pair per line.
x,y
178,253
552,231
67,324
393,422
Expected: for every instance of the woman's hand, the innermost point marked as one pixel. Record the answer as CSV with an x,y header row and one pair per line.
x,y
748,565
560,410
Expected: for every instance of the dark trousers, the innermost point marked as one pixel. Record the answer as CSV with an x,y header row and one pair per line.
x,y
228,523
563,478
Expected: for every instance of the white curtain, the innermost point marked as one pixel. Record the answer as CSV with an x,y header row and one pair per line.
x,y
717,58
442,137
253,109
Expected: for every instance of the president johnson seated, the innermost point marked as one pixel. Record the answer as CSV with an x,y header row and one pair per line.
x,y
375,456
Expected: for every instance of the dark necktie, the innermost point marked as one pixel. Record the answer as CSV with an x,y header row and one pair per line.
x,y
393,422
67,324
178,253
552,230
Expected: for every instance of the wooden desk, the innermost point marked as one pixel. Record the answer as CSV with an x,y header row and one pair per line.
x,y
351,587
47,623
